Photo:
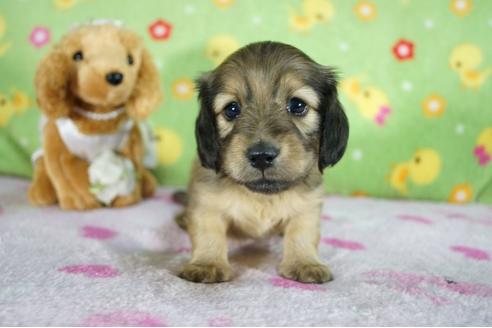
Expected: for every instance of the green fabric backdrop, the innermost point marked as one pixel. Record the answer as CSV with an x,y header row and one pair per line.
x,y
416,81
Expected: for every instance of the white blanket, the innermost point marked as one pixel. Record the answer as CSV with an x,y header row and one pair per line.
x,y
394,262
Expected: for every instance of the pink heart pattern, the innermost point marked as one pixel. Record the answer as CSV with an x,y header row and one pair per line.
x,y
285,283
472,253
124,318
414,218
345,244
91,270
95,232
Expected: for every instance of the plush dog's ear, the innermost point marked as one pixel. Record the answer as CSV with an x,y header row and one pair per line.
x,y
51,82
334,125
206,134
147,93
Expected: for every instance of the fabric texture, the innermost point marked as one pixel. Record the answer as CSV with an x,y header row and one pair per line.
x,y
394,262
415,81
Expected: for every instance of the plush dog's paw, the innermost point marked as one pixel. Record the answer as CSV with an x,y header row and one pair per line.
x,y
75,202
149,184
122,201
206,273
42,194
307,273
181,220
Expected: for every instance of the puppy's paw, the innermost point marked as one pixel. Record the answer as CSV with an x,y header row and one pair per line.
x,y
206,273
307,273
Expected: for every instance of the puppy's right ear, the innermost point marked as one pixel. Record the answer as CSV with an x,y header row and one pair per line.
x,y
51,84
207,138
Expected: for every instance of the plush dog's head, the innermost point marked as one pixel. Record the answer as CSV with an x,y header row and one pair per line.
x,y
98,65
269,116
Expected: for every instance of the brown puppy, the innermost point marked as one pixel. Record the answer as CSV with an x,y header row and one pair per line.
x,y
96,81
269,123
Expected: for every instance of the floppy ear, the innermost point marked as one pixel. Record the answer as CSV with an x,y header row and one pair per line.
x,y
206,134
147,93
334,126
51,82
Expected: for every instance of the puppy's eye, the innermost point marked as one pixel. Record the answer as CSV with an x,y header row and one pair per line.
x,y
297,107
232,110
130,60
78,56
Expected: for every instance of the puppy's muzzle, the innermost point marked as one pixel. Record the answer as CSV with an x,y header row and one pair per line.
x,y
114,78
261,156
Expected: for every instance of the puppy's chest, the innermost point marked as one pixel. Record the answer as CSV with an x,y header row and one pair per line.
x,y
256,217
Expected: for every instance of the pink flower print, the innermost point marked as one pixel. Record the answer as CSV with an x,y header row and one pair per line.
x,y
160,30
403,50
482,155
381,116
40,36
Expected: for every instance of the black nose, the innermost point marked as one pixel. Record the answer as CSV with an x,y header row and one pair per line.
x,y
262,155
114,78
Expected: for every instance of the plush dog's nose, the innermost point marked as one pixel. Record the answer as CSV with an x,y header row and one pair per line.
x,y
262,155
114,78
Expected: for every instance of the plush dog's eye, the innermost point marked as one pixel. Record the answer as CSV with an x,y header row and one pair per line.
x,y
130,60
297,107
78,56
232,110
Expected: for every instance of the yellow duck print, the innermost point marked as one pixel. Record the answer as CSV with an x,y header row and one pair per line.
x,y
312,12
6,110
220,47
371,101
483,149
64,4
169,146
465,59
4,46
422,169
17,104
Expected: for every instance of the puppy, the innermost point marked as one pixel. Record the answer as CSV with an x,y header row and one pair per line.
x,y
93,89
269,123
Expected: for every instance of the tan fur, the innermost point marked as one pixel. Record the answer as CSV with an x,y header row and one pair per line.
x,y
220,205
225,202
62,84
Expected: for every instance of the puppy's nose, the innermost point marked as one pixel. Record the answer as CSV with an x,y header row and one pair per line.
x,y
262,155
114,78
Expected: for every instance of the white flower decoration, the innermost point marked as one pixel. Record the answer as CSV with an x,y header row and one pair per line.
x,y
111,175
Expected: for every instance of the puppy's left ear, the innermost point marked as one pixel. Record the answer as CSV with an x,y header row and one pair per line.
x,y
207,137
334,124
147,92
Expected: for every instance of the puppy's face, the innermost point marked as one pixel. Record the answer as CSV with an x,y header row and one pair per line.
x,y
269,116
104,63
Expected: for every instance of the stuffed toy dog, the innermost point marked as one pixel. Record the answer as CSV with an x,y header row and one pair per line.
x,y
94,89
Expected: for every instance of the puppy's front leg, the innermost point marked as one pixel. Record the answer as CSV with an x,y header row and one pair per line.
x,y
208,233
300,254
